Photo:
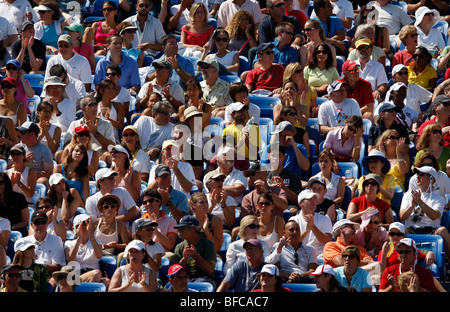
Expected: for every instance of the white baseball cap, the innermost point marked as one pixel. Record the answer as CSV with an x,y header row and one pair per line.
x,y
55,178
324,268
271,269
307,194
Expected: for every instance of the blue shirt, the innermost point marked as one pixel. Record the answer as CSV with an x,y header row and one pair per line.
x,y
129,67
360,280
284,56
179,200
335,25
132,52
184,63
290,163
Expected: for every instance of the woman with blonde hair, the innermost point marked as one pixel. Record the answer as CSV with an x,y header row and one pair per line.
x,y
432,141
33,275
198,32
409,37
243,33
392,146
316,35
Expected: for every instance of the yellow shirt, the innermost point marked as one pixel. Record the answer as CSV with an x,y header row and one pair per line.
x,y
254,140
388,183
399,177
423,79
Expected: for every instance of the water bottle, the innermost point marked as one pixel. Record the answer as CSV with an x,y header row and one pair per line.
x,y
249,124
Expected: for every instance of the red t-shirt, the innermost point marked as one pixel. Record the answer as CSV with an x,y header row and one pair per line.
x,y
362,203
362,92
447,74
265,79
446,135
300,16
403,57
425,277
393,259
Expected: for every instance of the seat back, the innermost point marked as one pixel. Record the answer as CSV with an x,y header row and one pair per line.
x,y
13,237
201,286
3,165
92,188
306,287
108,264
91,287
39,191
265,127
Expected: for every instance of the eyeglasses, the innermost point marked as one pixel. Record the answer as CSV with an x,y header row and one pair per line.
x,y
110,9
418,56
163,113
264,203
132,134
84,133
253,226
350,128
92,104
109,206
351,256
223,39
401,73
363,48
219,179
11,68
43,222
267,52
396,234
63,46
321,52
177,277
11,275
436,131
353,71
392,137
290,33
150,201
296,258
44,207
372,183
308,29
374,222
6,86
413,35
111,74
406,252
142,5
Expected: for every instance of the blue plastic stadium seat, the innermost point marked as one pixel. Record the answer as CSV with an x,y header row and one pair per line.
x,y
13,237
306,287
3,165
265,127
39,191
91,287
225,244
109,265
92,188
243,64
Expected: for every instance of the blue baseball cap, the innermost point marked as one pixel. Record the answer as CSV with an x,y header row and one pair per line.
x,y
14,62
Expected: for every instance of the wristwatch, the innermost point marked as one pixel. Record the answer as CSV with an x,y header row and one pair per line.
x,y
169,203
177,69
97,134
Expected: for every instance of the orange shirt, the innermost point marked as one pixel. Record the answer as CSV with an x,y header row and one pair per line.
x,y
333,249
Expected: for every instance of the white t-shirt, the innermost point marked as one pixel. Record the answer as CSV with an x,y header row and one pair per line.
x,y
49,251
235,177
123,96
154,135
374,73
85,256
5,225
392,17
332,114
253,111
175,90
441,186
341,8
126,203
415,95
418,218
322,222
6,28
141,162
430,41
77,66
153,30
229,8
68,110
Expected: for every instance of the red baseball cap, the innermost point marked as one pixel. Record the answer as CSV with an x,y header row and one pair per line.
x,y
349,65
175,268
11,80
81,129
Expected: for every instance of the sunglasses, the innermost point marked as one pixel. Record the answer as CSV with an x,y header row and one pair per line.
x,y
393,137
406,252
298,71
84,133
177,277
111,74
413,35
132,134
108,9
396,234
321,52
43,222
264,203
253,226
289,33
163,113
421,174
15,154
2,182
308,29
6,86
428,14
92,104
373,183
142,5
63,46
42,12
291,114
349,256
296,258
44,207
17,275
436,131
159,66
350,128
353,71
205,66
374,222
109,206
427,164
150,201
401,73
221,39
363,48
219,179
418,56
267,52
11,67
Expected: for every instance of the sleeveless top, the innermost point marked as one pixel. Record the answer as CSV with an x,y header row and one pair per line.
x,y
399,177
76,184
226,60
100,36
106,238
121,183
197,39
23,179
332,186
112,116
50,35
135,287
14,117
272,238
51,131
4,149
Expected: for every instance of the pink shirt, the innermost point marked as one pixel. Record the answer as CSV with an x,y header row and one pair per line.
x,y
334,142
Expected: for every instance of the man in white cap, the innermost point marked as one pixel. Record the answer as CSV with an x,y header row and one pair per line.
x,y
334,113
215,90
106,179
76,65
407,254
344,231
422,209
415,94
316,229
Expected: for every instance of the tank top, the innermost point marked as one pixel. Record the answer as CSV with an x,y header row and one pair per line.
x,y
76,184
50,35
100,36
14,117
272,238
51,131
112,116
197,39
23,179
106,238
226,60
135,287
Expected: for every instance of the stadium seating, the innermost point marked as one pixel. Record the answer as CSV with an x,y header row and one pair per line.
x,y
91,287
302,287
13,237
3,165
